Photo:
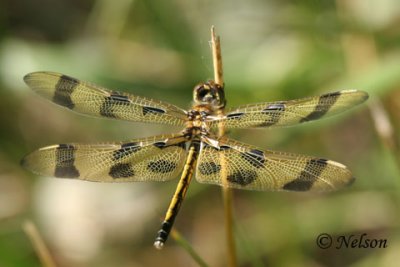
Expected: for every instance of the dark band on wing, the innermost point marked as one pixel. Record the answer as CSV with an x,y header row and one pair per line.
x,y
274,112
163,144
151,110
236,115
161,166
308,176
65,160
325,102
63,90
255,157
121,170
126,150
160,144
112,101
274,107
242,177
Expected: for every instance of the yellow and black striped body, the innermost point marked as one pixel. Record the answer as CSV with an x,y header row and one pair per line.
x,y
179,195
196,150
208,100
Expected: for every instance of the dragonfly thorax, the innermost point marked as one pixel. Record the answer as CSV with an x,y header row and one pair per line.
x,y
196,124
210,94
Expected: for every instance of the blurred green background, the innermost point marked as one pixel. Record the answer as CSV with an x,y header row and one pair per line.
x,y
272,50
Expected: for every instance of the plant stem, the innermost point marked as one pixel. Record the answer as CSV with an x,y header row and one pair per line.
x,y
38,244
186,245
226,192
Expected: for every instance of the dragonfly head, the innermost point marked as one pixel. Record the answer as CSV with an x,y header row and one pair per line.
x,y
209,93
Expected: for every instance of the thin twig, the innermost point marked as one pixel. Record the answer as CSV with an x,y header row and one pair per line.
x,y
217,58
186,245
38,244
385,129
226,192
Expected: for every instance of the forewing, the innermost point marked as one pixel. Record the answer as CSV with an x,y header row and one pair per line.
x,y
247,167
158,158
90,99
285,113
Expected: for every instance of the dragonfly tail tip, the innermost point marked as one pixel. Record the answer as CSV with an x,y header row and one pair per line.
x,y
158,244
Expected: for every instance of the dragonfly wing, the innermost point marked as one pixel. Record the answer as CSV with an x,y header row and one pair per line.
x,y
237,165
286,113
157,158
90,99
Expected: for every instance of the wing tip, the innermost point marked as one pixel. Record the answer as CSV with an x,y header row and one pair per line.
x,y
24,163
28,159
362,95
348,178
36,74
351,181
28,77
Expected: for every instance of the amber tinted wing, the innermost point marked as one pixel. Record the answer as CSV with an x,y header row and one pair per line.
x,y
285,113
248,167
157,158
90,99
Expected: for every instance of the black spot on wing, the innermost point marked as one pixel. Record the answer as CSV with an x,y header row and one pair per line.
x,y
126,149
151,110
325,102
308,176
321,161
236,115
63,90
161,166
242,177
208,168
255,157
121,170
65,160
274,107
273,112
111,102
162,144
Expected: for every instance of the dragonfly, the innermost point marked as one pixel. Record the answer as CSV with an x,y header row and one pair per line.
x,y
197,150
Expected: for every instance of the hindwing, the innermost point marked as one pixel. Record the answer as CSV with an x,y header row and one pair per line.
x,y
237,165
157,158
